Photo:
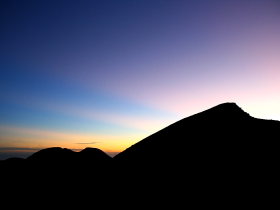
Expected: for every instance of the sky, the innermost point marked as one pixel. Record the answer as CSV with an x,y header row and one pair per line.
x,y
108,73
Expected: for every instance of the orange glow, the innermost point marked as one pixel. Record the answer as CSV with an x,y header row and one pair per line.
x,y
35,138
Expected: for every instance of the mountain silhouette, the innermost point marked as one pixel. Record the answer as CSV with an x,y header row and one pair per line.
x,y
219,157
211,155
59,164
56,155
52,155
94,156
222,131
65,160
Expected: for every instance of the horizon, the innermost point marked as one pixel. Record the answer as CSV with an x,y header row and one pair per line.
x,y
107,74
26,152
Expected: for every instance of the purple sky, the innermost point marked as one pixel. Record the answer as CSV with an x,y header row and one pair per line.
x,y
109,73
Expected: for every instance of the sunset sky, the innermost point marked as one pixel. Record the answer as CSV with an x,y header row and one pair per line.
x,y
106,74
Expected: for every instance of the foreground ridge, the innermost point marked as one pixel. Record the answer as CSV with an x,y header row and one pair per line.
x,y
217,157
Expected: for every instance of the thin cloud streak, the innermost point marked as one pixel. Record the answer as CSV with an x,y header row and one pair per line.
x,y
19,148
48,138
7,149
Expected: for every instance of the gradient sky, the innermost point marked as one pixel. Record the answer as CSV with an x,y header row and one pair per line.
x,y
107,74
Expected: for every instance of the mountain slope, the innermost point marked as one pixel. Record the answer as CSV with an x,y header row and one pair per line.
x,y
223,129
218,152
221,157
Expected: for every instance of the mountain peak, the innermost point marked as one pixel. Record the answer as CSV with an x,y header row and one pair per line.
x,y
94,154
229,105
199,132
228,110
91,149
52,153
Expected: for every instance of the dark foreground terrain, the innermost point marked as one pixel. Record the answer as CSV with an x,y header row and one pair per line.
x,y
220,158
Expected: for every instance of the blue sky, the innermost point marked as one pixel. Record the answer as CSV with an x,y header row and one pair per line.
x,y
111,73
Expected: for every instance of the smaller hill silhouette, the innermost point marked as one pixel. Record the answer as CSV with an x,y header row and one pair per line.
x,y
55,162
13,162
63,157
58,154
52,155
94,155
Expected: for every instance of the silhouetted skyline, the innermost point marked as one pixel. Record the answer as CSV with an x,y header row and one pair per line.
x,y
106,73
220,125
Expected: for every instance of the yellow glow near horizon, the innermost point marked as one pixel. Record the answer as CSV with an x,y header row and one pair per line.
x,y
36,138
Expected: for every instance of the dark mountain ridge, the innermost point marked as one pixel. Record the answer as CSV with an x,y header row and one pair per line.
x,y
224,129
58,162
57,154
219,155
